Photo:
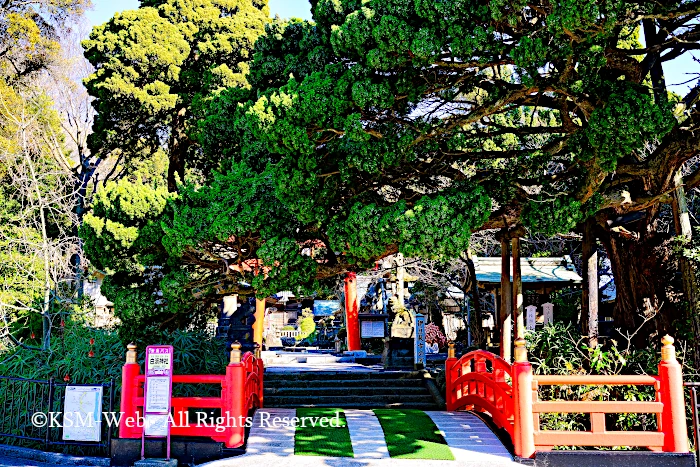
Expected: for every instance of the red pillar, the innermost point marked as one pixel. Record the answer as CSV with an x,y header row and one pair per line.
x,y
352,321
450,376
523,422
673,423
130,391
233,399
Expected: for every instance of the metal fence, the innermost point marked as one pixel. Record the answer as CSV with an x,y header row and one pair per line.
x,y
21,398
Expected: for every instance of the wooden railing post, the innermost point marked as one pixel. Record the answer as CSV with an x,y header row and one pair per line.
x,y
523,430
130,391
234,398
673,422
450,377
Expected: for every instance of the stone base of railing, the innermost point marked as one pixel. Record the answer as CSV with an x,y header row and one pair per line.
x,y
609,459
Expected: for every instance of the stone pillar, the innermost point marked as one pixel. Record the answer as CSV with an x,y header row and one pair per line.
x,y
400,279
548,310
589,310
531,315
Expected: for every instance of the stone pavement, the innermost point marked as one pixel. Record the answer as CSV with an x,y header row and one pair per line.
x,y
471,441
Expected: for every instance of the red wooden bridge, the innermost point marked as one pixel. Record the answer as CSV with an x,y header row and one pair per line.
x,y
484,382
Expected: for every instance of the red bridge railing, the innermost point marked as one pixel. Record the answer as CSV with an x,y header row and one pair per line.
x,y
241,392
484,382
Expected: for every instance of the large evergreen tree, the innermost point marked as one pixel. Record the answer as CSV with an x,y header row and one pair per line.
x,y
405,125
155,67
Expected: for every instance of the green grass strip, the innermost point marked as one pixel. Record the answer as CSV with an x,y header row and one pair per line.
x,y
412,434
331,440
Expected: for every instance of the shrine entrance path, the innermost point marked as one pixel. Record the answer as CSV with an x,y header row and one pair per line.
x,y
469,439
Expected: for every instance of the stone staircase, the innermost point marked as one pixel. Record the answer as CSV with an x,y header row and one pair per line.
x,y
351,390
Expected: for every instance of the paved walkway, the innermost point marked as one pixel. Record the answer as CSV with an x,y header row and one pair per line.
x,y
471,441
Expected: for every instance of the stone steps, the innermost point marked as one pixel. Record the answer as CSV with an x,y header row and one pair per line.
x,y
348,389
346,383
341,390
365,406
346,375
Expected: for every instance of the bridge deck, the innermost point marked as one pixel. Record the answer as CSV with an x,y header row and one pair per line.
x,y
470,440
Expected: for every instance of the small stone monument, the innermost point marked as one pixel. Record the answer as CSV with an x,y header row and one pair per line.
x,y
548,309
530,317
399,349
402,327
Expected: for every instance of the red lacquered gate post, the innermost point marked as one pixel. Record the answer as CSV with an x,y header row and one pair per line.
x,y
673,423
233,399
352,320
450,377
523,429
131,390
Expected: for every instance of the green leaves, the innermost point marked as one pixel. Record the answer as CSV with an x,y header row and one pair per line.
x,y
436,227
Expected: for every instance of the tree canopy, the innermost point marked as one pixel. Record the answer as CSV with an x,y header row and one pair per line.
x,y
405,125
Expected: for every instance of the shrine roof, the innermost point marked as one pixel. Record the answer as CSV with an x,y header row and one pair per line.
x,y
534,270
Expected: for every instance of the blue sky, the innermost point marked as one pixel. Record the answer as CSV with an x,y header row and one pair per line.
x,y
105,9
676,71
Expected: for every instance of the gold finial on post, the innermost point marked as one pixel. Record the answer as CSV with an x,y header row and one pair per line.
x,y
257,351
520,350
235,352
131,353
451,350
668,351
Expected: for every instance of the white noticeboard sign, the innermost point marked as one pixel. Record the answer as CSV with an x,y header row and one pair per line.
x,y
82,415
372,328
419,341
158,390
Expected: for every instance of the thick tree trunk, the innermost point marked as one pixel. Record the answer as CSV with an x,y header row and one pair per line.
x,y
681,221
644,272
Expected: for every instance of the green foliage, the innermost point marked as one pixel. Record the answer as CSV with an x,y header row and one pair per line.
x,y
557,215
629,118
382,127
560,349
156,66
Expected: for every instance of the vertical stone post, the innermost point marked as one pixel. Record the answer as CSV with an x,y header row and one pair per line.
x,y
531,317
450,398
524,430
130,391
352,321
589,310
673,423
548,310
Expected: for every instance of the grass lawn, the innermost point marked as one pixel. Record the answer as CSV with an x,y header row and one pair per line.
x,y
315,440
411,434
